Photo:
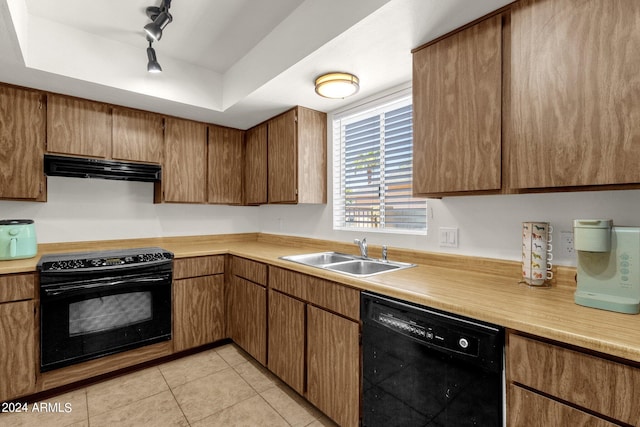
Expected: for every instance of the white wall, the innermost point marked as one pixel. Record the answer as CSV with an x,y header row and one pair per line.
x,y
93,209
489,226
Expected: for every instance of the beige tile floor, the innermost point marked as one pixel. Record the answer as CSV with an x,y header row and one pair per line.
x,y
218,387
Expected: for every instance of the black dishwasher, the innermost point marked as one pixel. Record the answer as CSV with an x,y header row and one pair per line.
x,y
425,367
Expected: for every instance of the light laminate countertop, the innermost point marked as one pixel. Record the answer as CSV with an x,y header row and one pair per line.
x,y
491,294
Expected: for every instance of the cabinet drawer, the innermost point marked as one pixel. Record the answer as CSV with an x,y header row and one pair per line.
x,y
330,295
16,287
198,266
578,378
253,271
528,409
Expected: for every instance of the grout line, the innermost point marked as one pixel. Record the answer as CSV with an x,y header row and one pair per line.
x,y
86,401
174,398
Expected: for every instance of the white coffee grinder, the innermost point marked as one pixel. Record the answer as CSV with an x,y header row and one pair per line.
x,y
608,265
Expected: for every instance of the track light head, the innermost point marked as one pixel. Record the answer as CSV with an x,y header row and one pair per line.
x,y
154,29
153,12
160,18
152,66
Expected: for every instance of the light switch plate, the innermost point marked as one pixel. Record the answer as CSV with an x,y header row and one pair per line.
x,y
448,237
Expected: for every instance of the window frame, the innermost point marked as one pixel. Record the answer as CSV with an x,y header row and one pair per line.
x,y
380,104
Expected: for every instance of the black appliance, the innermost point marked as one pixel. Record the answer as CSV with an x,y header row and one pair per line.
x,y
78,167
93,304
425,367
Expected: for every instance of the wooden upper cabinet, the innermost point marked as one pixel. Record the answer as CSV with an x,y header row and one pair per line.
x,y
185,162
226,165
457,99
79,127
574,93
297,157
22,139
137,136
282,156
255,166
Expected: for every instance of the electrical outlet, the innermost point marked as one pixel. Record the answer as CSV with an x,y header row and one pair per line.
x,y
448,237
566,243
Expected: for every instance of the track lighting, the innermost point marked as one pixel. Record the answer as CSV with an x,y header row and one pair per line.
x,y
160,18
152,65
154,29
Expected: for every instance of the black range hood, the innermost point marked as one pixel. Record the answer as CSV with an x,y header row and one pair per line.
x,y
78,167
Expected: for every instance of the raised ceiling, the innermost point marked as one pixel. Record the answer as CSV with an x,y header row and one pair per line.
x,y
230,62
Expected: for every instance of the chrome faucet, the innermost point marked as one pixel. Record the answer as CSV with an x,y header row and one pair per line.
x,y
384,253
362,244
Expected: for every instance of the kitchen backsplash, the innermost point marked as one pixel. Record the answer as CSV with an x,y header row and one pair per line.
x,y
489,226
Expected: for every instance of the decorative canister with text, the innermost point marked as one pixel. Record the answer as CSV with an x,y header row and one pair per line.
x,y
536,253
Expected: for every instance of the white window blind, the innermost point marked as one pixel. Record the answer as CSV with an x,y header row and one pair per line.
x,y
373,150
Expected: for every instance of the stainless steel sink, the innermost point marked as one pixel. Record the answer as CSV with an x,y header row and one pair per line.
x,y
318,259
351,265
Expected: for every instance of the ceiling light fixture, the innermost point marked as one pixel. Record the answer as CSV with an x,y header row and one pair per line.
x,y
152,66
160,17
337,85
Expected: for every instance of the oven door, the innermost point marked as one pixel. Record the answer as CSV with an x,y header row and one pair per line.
x,y
93,317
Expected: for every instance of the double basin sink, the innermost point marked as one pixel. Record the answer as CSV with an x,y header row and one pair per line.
x,y
351,265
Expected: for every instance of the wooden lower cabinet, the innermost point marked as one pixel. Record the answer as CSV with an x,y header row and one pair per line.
x,y
286,339
198,311
568,386
333,365
17,349
529,409
248,317
314,341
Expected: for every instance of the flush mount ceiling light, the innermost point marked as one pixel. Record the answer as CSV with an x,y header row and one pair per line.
x,y
152,65
337,85
160,17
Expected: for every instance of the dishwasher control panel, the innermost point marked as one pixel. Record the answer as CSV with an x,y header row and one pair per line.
x,y
430,333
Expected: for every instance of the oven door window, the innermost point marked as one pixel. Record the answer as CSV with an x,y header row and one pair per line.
x,y
109,312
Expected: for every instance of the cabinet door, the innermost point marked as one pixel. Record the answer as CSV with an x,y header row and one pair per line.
x,y
333,365
255,176
529,409
17,357
283,158
248,317
572,377
198,311
312,156
575,116
286,339
77,126
457,99
137,136
22,136
226,166
185,162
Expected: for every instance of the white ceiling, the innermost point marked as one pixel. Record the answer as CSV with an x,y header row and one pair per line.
x,y
230,62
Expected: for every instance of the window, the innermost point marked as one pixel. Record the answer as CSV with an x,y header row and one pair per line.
x,y
373,150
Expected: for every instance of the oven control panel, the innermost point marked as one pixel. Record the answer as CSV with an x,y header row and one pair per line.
x,y
97,260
